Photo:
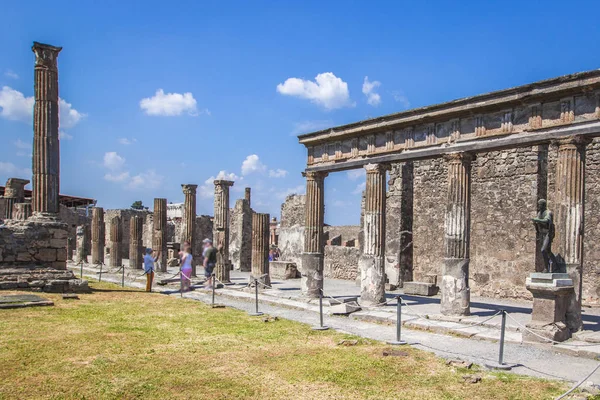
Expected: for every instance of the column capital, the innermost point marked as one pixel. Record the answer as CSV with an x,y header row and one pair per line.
x,y
460,158
223,183
189,188
577,141
315,175
45,55
376,168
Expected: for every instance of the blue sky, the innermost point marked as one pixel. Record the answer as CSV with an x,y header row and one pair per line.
x,y
156,94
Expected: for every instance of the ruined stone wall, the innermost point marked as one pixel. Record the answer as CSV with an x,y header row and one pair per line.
x,y
591,248
125,215
341,262
292,211
347,232
240,236
291,229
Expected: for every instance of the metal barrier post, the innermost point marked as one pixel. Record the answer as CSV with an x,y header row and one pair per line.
x,y
398,340
321,327
256,313
100,277
501,364
213,290
181,283
122,276
81,272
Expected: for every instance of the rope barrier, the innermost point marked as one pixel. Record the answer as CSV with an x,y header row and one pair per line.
x,y
581,382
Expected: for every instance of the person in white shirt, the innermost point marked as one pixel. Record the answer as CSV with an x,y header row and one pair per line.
x,y
149,268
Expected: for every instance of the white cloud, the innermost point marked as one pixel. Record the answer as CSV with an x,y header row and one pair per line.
x,y
252,164
368,89
22,145
12,171
126,141
69,117
401,98
170,104
328,90
117,177
355,174
62,135
15,106
11,74
208,189
300,189
310,126
113,161
277,173
360,188
146,180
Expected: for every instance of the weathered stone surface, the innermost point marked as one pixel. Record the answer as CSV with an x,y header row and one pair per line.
x,y
341,262
240,238
344,309
221,229
283,270
420,288
260,248
456,295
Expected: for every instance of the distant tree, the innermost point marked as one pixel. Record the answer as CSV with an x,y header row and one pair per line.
x,y
137,205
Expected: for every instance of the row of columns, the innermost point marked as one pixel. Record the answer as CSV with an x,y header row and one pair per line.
x,y
455,293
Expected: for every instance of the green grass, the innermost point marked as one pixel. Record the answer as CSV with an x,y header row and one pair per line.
x,y
126,344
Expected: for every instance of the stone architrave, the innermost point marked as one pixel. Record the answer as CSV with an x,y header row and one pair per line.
x,y
312,259
569,222
116,241
372,261
221,229
98,235
188,222
14,192
21,211
159,232
247,196
136,247
260,248
455,274
46,150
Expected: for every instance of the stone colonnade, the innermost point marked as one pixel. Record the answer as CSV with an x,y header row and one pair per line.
x,y
188,227
136,246
14,193
159,231
221,229
116,240
260,247
98,235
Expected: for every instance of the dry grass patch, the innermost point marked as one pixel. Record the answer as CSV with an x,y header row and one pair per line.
x,y
128,344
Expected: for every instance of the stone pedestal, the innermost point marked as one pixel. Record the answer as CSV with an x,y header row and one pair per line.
x,y
456,295
311,281
551,296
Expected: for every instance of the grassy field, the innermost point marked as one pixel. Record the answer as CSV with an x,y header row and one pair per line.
x,y
126,344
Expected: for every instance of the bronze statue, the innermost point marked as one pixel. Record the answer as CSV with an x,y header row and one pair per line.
x,y
544,225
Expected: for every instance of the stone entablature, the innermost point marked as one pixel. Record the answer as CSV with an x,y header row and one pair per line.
x,y
559,102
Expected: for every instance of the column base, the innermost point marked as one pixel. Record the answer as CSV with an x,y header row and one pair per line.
x,y
222,272
311,280
372,280
456,295
574,321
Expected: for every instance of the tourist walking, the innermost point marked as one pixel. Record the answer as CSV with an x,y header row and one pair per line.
x,y
210,260
186,268
149,268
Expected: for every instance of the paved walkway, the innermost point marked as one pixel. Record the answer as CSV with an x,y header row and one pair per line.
x,y
426,329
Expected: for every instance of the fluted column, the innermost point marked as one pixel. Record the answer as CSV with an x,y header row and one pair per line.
x,y
14,192
260,247
136,247
159,232
116,241
570,204
46,151
247,196
98,235
455,274
21,211
188,224
221,229
312,258
372,261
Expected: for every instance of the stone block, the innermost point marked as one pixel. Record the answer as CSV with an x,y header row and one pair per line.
x,y
420,288
46,255
344,309
24,257
61,254
430,278
58,243
342,300
283,270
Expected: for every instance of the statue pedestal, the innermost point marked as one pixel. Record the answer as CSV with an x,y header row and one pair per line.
x,y
551,295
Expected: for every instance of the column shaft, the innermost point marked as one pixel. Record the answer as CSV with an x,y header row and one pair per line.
x,y
136,247
372,262
455,275
98,235
260,247
221,229
312,258
116,240
188,226
159,232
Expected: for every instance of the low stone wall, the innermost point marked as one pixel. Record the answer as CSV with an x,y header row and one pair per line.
x,y
341,262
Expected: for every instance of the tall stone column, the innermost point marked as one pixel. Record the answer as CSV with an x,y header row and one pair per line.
x,y
247,196
46,151
312,259
570,204
455,273
372,260
116,241
221,229
98,235
188,222
14,192
260,247
159,232
136,246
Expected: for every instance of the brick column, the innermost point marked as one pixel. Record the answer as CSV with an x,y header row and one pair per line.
x,y
312,258
159,231
116,240
570,204
46,151
136,246
372,260
98,235
221,229
14,193
455,273
260,247
188,222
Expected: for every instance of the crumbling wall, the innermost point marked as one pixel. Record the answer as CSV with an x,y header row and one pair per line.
x,y
240,236
341,262
291,229
347,232
591,248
